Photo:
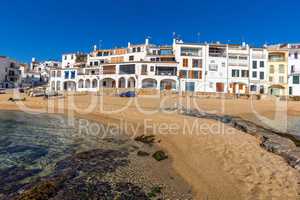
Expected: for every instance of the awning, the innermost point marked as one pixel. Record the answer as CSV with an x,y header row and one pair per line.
x,y
277,86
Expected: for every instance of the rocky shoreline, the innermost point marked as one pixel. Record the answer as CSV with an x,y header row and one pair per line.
x,y
282,144
112,173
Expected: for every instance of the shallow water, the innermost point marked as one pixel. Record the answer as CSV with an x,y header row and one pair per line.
x,y
32,145
45,157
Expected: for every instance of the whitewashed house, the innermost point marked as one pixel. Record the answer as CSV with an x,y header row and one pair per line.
x,y
293,69
258,73
9,73
216,70
238,68
191,62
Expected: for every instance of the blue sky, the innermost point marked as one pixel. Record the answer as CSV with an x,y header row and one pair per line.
x,y
47,28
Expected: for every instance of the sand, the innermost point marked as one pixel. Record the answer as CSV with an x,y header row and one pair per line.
x,y
219,162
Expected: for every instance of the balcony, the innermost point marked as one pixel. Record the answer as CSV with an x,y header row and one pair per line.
x,y
166,71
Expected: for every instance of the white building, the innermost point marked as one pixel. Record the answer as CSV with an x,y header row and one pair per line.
x,y
294,69
216,70
191,62
238,68
9,73
258,71
136,66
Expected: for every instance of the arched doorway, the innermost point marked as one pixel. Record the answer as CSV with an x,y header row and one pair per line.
x,y
167,84
108,83
131,82
149,83
95,83
87,83
122,82
80,83
69,86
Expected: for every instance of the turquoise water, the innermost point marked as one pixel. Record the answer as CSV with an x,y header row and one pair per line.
x,y
33,141
32,145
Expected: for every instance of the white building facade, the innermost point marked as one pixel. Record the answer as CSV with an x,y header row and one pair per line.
x,y
258,72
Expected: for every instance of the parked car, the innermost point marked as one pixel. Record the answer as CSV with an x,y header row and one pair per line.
x,y
128,94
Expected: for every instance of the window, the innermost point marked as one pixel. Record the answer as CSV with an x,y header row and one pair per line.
x,y
183,74
261,64
223,64
281,69
185,62
281,79
233,57
296,80
290,90
211,85
131,58
292,68
213,67
152,69
91,63
197,63
139,49
66,74
66,57
72,57
195,74
271,69
235,73
253,88
185,51
254,74
271,79
243,58
96,63
296,55
72,74
254,64
53,74
261,75
245,73
58,85
127,69
144,70
59,74
134,50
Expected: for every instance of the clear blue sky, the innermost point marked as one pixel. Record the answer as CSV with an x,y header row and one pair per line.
x,y
47,28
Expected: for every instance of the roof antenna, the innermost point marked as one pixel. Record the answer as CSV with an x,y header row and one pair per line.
x,y
198,37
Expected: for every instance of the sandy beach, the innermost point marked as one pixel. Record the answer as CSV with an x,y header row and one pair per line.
x,y
217,161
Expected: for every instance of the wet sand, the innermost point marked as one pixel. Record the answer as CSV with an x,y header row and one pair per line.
x,y
218,163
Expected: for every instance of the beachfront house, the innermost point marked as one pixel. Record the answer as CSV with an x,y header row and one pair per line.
x,y
258,71
278,71
294,69
238,68
191,62
9,73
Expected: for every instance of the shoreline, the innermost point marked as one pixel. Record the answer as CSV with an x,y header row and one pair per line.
x,y
209,163
142,173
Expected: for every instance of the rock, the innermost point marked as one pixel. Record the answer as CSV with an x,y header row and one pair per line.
x,y
154,191
147,139
160,155
142,153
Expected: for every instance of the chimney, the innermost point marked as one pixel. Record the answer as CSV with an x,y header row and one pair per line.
x,y
33,59
174,41
243,44
95,47
147,41
129,44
